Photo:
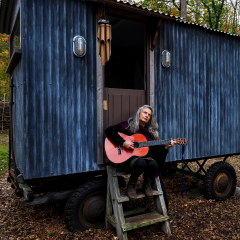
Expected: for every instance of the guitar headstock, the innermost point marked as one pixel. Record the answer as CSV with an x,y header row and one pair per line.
x,y
181,141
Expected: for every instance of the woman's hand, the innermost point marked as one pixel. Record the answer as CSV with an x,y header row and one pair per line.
x,y
128,145
171,144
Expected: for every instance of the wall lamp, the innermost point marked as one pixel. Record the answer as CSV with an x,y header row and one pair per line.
x,y
166,59
79,46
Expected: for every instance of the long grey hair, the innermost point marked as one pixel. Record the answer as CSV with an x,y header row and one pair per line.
x,y
151,126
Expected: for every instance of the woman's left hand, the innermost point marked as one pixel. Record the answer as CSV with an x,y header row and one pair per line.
x,y
171,144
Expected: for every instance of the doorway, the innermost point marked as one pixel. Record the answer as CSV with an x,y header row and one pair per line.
x,y
125,82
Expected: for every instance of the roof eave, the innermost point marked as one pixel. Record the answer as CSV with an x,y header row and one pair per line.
x,y
127,6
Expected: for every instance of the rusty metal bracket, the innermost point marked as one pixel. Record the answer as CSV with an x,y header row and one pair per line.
x,y
27,191
225,158
201,166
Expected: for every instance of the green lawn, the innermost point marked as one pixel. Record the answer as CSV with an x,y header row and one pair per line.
x,y
4,150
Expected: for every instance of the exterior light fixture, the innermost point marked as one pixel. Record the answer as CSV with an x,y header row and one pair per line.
x,y
79,46
166,59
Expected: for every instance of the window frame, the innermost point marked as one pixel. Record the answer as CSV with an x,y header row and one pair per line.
x,y
14,54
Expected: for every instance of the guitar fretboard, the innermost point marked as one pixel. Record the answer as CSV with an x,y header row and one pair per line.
x,y
153,143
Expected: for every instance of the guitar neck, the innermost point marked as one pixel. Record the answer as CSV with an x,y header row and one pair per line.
x,y
153,143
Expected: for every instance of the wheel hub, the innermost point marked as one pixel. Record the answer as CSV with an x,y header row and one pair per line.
x,y
222,183
92,210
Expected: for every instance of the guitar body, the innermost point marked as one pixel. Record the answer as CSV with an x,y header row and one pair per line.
x,y
115,156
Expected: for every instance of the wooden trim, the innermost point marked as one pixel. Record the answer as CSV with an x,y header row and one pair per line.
x,y
126,14
151,83
151,69
100,86
154,34
14,60
147,44
99,112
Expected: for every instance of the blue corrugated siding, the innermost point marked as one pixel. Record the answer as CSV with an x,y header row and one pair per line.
x,y
17,110
59,114
198,96
18,106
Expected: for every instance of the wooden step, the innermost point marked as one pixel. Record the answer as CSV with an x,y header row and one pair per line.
x,y
125,220
143,220
140,194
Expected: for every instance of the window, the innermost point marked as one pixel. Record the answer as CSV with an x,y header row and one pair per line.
x,y
15,38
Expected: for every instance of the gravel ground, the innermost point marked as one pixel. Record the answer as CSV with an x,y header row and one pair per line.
x,y
192,217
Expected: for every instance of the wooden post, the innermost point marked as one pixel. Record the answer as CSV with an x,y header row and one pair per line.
x,y
117,207
183,9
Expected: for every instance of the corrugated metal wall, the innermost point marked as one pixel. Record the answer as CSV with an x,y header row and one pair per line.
x,y
58,109
18,109
55,94
198,96
18,106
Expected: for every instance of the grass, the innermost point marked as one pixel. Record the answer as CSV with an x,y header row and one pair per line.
x,y
4,150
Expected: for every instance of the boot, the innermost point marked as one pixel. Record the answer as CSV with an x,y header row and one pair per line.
x,y
131,189
147,187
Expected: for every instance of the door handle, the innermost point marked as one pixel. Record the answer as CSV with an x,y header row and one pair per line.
x,y
105,106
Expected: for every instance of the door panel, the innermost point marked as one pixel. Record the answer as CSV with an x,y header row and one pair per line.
x,y
122,104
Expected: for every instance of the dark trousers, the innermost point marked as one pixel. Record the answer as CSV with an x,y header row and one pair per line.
x,y
149,167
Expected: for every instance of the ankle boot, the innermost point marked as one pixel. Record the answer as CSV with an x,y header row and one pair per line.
x,y
131,189
147,187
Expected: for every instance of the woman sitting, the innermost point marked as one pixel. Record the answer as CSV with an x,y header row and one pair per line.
x,y
143,122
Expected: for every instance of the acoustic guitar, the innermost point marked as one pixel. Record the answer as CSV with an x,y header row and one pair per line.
x,y
118,154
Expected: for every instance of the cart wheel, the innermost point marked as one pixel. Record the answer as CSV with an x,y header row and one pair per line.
x,y
220,181
85,208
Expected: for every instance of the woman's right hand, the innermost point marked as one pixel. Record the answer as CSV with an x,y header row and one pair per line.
x,y
128,145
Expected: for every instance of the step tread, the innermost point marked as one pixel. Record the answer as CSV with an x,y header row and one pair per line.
x,y
143,220
140,194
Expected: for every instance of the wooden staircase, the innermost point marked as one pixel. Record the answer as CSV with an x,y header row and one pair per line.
x,y
124,221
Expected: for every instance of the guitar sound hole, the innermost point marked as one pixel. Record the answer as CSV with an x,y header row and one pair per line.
x,y
136,144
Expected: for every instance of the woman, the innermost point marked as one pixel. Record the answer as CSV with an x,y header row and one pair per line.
x,y
143,122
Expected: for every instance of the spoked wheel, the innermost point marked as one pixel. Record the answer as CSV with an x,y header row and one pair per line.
x,y
220,181
85,208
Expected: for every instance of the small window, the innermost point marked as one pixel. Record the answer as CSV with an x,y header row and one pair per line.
x,y
15,38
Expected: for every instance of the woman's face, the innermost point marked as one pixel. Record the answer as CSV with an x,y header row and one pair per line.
x,y
145,116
